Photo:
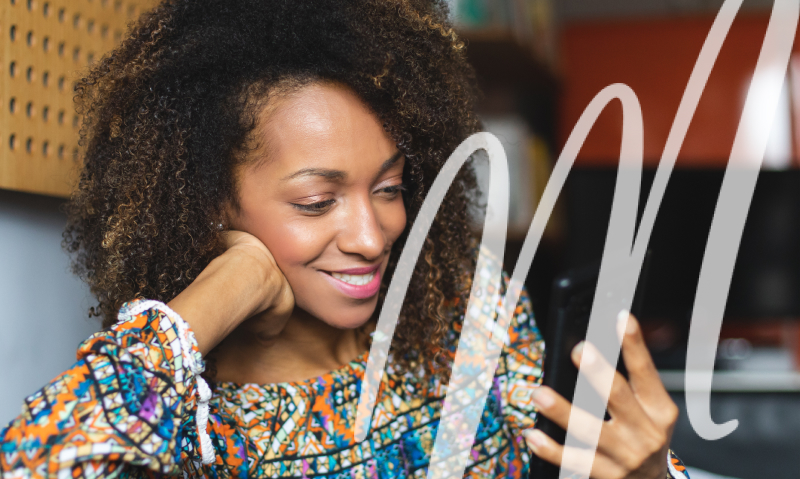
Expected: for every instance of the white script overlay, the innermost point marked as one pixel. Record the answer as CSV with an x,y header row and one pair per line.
x,y
622,259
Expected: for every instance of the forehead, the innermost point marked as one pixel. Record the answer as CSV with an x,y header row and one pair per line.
x,y
322,125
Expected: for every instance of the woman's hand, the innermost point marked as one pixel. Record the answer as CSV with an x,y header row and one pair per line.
x,y
277,299
635,442
243,282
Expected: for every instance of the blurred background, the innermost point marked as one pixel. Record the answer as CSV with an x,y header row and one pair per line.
x,y
539,63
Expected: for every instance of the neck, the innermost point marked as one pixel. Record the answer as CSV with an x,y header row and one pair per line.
x,y
304,349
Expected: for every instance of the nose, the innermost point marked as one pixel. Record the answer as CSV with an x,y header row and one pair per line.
x,y
361,232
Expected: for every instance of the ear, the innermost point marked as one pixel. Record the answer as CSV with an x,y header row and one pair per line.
x,y
230,215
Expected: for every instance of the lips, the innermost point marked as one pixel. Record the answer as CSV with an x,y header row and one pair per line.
x,y
362,270
356,283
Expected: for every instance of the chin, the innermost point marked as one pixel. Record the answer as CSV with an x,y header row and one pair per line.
x,y
344,316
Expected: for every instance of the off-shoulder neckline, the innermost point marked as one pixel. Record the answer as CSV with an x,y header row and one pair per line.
x,y
354,368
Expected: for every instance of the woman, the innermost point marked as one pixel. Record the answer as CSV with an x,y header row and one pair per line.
x,y
256,164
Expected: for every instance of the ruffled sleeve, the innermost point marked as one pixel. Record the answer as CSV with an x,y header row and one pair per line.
x,y
119,410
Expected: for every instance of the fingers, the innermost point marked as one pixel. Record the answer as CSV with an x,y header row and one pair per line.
x,y
570,458
643,377
583,426
633,460
633,443
598,372
586,427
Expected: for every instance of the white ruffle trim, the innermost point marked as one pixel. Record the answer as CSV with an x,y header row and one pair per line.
x,y
204,395
185,339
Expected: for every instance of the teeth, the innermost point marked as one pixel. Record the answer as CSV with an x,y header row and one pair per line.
x,y
355,279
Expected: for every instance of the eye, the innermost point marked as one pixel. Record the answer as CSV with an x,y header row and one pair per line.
x,y
392,191
315,208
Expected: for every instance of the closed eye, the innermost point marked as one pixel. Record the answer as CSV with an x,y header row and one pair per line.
x,y
393,190
315,208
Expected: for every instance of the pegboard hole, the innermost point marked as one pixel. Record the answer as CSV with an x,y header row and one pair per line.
x,y
131,11
117,5
30,75
62,14
61,81
12,105
46,44
30,39
12,32
76,20
13,2
104,3
61,149
74,154
104,31
31,5
61,117
45,113
12,69
61,48
46,9
46,148
46,78
90,26
76,54
29,110
90,58
29,145
117,36
12,142
75,121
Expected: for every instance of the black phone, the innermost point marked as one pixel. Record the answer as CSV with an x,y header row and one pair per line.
x,y
570,308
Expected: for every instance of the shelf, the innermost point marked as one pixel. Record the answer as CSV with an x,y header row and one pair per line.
x,y
737,381
502,62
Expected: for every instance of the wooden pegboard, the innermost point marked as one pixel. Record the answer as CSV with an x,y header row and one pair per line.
x,y
46,46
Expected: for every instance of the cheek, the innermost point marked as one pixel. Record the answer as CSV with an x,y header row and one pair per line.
x,y
395,222
292,244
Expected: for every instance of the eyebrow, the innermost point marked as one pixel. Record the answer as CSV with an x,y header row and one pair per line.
x,y
339,175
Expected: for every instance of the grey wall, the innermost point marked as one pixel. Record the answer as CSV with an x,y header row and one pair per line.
x,y
43,307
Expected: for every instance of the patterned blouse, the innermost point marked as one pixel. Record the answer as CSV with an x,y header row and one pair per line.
x,y
132,407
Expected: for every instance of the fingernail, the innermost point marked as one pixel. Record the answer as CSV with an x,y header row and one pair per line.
x,y
534,438
622,323
631,327
542,398
583,353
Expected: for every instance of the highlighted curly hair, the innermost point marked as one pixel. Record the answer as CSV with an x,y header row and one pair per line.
x,y
168,115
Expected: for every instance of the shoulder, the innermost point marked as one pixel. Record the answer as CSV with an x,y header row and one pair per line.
x,y
522,327
519,367
523,345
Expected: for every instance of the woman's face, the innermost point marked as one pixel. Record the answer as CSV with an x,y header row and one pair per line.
x,y
325,199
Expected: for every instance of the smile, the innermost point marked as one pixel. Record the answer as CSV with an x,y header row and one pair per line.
x,y
355,279
357,283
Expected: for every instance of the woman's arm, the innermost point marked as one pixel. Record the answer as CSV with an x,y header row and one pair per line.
x,y
130,404
242,283
122,403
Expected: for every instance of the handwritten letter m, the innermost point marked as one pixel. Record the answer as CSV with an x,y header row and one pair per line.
x,y
461,411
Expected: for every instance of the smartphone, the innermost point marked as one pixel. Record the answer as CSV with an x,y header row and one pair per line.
x,y
568,320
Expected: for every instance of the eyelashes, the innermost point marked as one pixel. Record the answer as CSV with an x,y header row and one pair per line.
x,y
389,192
315,208
394,190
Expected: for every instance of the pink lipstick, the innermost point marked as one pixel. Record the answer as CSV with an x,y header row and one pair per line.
x,y
357,283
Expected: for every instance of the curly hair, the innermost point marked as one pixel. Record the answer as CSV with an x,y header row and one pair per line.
x,y
168,114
